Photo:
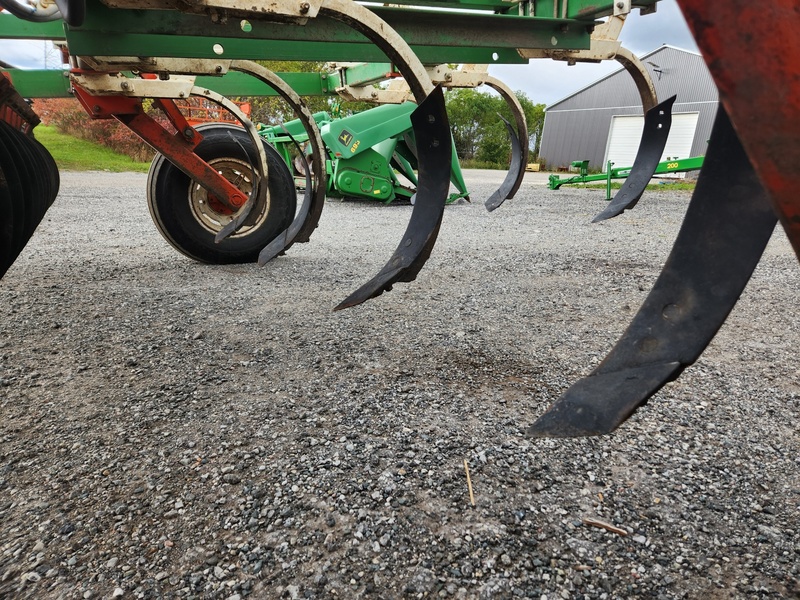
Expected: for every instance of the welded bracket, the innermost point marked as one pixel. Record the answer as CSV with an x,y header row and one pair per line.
x,y
604,44
468,76
622,7
116,84
165,68
397,92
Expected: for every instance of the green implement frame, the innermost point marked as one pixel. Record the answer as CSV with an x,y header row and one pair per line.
x,y
673,165
55,83
437,32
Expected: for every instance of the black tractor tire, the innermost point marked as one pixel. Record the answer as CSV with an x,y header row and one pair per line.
x,y
189,218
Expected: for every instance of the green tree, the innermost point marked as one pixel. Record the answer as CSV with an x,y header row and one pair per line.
x,y
534,115
478,131
273,110
467,110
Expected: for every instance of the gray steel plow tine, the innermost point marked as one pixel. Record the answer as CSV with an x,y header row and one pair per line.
x,y
260,170
283,241
519,146
307,218
726,229
432,133
657,124
516,171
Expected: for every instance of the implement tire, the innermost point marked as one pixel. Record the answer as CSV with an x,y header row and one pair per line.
x,y
189,217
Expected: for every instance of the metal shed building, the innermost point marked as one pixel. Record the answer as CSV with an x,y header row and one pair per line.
x,y
604,121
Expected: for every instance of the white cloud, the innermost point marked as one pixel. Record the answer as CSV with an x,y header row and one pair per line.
x,y
29,54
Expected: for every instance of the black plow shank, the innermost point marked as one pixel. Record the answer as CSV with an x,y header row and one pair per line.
x,y
727,227
284,239
432,133
657,123
516,171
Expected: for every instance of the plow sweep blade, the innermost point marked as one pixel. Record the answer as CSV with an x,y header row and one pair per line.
x,y
519,146
657,124
284,239
727,227
432,133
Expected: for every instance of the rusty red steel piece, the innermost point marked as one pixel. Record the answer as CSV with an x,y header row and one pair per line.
x,y
753,52
13,109
178,147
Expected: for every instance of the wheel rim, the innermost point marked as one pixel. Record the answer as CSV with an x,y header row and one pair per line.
x,y
212,214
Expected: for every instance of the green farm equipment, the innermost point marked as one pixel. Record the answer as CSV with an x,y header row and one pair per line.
x,y
124,52
365,153
671,165
220,194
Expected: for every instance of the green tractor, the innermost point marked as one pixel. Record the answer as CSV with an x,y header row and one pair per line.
x,y
368,153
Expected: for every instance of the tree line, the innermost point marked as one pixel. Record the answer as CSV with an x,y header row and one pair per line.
x,y
479,133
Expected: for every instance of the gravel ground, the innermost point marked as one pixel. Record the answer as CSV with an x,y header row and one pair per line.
x,y
171,429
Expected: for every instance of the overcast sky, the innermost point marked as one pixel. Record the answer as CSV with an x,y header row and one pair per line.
x,y
544,81
547,81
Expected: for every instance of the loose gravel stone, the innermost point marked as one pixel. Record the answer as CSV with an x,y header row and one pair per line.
x,y
171,429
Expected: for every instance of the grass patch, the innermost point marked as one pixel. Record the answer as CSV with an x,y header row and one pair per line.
x,y
681,186
473,163
75,154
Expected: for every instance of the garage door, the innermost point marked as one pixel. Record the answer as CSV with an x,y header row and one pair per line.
x,y
626,133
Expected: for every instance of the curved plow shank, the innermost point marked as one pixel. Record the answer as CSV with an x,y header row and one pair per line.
x,y
432,133
284,239
657,123
640,75
762,74
259,192
519,147
307,218
726,229
516,172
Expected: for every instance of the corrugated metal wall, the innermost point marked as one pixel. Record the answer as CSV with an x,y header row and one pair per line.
x,y
576,128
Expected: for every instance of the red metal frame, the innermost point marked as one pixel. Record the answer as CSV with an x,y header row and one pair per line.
x,y
201,110
177,147
753,52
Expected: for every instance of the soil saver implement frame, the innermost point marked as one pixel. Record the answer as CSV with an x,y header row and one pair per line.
x,y
122,52
211,38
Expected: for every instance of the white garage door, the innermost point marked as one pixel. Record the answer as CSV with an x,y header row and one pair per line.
x,y
626,133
